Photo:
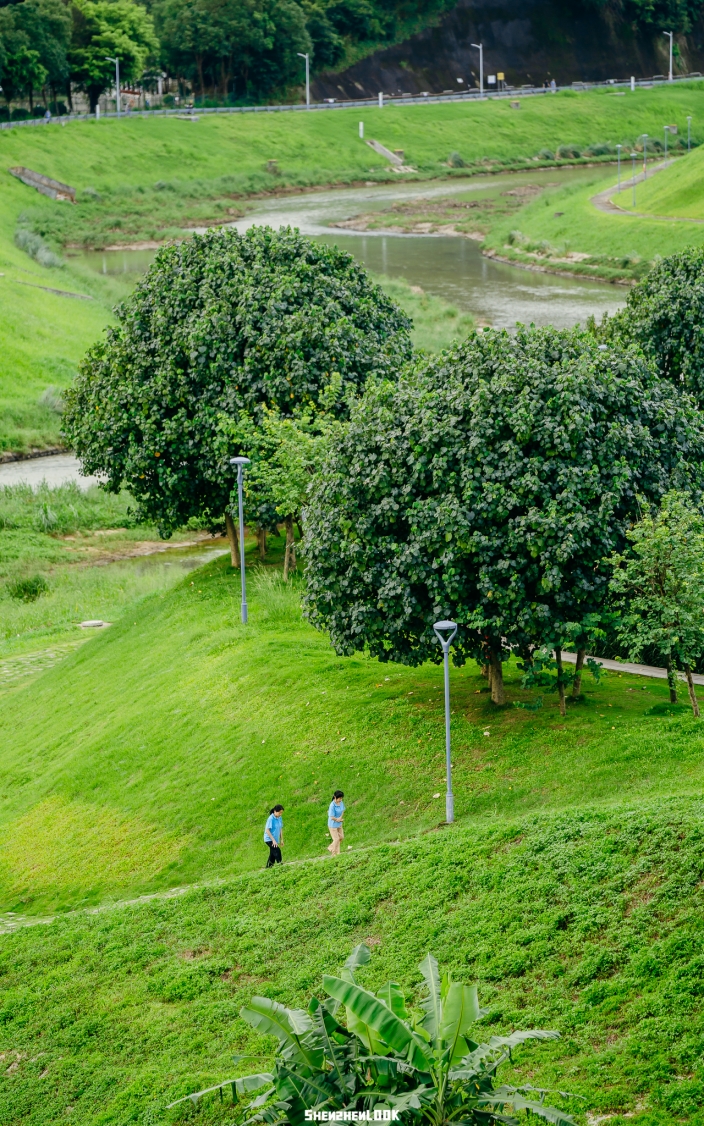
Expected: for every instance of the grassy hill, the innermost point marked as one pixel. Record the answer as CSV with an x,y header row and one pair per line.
x,y
587,921
154,177
149,757
675,191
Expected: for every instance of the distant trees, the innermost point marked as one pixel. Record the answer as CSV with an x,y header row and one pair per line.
x,y
489,486
239,47
34,43
224,326
101,28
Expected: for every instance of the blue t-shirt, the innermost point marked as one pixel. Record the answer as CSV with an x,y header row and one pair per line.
x,y
274,825
337,808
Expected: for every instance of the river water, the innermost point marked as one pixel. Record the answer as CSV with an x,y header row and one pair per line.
x,y
448,267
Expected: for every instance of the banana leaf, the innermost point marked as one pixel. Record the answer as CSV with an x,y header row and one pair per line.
x,y
366,1007
289,1026
459,1012
392,996
432,1004
242,1086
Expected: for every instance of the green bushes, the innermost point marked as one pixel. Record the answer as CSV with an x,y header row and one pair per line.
x,y
28,590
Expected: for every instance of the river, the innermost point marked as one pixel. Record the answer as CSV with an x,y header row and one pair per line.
x,y
449,267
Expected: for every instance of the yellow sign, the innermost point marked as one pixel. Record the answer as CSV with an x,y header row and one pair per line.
x,y
500,76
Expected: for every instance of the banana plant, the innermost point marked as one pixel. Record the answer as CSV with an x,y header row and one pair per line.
x,y
429,1068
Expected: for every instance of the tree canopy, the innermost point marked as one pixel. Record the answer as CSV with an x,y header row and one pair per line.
x,y
34,41
488,486
102,28
664,315
658,586
225,325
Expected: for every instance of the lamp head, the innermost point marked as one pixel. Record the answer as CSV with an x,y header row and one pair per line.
x,y
239,461
444,628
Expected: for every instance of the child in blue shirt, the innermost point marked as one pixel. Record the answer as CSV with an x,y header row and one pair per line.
x,y
335,814
274,835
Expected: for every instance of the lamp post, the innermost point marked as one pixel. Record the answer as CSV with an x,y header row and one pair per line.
x,y
633,175
689,134
480,48
109,59
666,131
445,632
240,462
618,150
645,156
669,76
307,58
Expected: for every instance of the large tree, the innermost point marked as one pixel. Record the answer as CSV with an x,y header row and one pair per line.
x,y
664,316
34,38
104,29
222,325
488,486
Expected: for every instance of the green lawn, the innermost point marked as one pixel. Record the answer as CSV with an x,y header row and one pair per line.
x,y
177,729
205,168
588,922
674,191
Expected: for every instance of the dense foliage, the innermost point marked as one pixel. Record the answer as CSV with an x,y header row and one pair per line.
x,y
488,486
224,324
428,1065
47,45
659,588
664,315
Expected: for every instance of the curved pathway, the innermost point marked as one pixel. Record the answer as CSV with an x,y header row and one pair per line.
x,y
603,201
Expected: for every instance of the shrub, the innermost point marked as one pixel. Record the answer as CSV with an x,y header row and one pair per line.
x,y
569,152
455,160
431,1066
53,399
37,249
28,590
546,154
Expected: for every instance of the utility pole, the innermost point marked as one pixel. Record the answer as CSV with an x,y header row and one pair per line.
x,y
480,48
666,131
633,176
645,156
109,59
307,58
669,77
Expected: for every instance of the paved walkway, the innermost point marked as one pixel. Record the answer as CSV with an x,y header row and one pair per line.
x,y
636,670
603,201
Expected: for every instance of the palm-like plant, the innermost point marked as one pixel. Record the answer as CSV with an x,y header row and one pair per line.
x,y
428,1067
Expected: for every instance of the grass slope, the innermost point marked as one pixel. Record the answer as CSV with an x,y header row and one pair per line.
x,y
178,728
207,162
675,191
588,922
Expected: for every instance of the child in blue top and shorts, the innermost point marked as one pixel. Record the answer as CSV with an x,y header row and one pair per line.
x,y
335,814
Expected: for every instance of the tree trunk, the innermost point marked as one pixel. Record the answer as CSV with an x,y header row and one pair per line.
x,y
290,554
300,529
234,540
577,682
672,681
486,671
692,693
496,678
261,540
560,682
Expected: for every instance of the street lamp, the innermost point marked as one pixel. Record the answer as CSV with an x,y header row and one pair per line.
x,y
666,131
307,58
449,629
109,59
645,156
689,134
618,150
480,48
669,77
633,175
240,462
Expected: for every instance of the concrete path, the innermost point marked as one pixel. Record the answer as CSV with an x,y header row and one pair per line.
x,y
56,469
635,670
603,201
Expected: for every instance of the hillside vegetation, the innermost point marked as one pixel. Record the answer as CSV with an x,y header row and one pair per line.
x,y
588,922
675,191
167,738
